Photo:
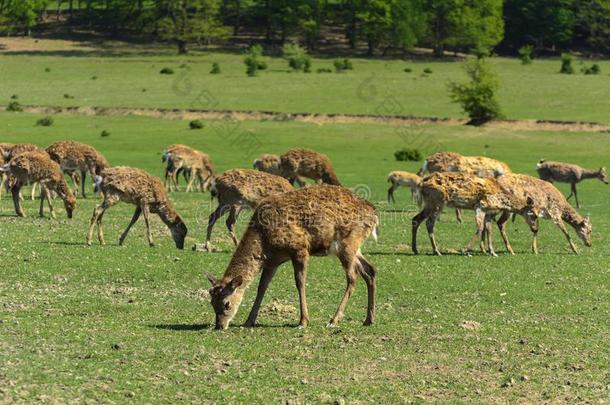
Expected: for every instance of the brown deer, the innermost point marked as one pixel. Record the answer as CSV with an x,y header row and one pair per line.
x,y
399,178
74,156
12,150
480,166
317,220
546,201
569,173
271,164
238,189
307,163
196,164
37,166
146,192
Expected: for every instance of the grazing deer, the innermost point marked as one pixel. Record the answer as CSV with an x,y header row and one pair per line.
x,y
197,164
307,163
318,220
37,166
271,164
238,189
74,156
569,173
399,178
547,202
465,191
480,166
4,151
146,192
12,150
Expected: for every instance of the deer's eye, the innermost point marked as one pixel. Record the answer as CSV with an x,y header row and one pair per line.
x,y
227,305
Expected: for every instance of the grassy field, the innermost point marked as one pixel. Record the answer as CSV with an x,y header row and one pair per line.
x,y
132,323
379,87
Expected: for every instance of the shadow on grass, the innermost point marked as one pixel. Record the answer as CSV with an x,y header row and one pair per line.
x,y
64,243
182,327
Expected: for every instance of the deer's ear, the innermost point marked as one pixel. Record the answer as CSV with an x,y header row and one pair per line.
x,y
212,279
530,201
236,282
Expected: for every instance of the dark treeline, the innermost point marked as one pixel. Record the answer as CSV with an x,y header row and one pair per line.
x,y
379,25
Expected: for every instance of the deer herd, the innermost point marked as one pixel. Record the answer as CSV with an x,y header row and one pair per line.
x,y
292,224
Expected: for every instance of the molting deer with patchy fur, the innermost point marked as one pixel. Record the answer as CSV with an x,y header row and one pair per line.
x,y
196,164
465,191
569,173
238,189
399,178
548,202
12,150
37,166
146,192
308,163
318,221
271,164
74,156
480,166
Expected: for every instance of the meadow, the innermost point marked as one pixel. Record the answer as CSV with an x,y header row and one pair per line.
x,y
133,323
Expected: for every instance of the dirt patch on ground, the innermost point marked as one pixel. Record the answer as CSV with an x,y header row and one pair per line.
x,y
25,44
320,119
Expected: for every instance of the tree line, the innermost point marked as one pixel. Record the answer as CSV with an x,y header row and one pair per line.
x,y
381,25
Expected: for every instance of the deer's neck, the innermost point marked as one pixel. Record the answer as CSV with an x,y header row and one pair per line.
x,y
571,216
248,259
61,188
589,174
167,213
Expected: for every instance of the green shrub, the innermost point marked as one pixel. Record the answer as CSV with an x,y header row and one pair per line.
x,y
566,64
68,96
196,124
478,96
408,155
481,51
428,71
253,60
167,71
297,57
408,70
47,70
45,122
342,65
93,77
525,54
593,70
324,70
105,134
215,69
14,106
14,97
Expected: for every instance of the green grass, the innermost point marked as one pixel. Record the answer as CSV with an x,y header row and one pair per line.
x,y
132,323
375,87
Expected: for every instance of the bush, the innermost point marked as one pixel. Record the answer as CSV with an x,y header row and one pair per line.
x,y
525,54
68,96
47,70
93,77
253,60
14,106
324,70
428,71
477,97
196,124
297,57
593,70
105,134
14,97
408,70
481,52
215,69
342,65
45,122
566,64
408,155
167,71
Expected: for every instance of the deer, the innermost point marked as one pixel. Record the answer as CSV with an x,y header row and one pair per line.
x,y
37,166
569,173
74,156
146,192
310,221
485,195
197,164
237,189
454,162
400,178
546,201
4,150
271,164
307,163
11,150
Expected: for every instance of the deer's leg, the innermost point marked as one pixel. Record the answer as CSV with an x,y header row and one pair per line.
x,y
134,219
430,222
533,224
502,221
44,190
562,226
16,192
174,179
233,214
42,198
458,215
415,223
391,190
214,216
96,219
83,176
266,276
299,263
480,220
488,229
575,194
368,273
146,212
33,195
348,259
189,186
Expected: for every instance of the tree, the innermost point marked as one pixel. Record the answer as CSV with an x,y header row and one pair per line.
x,y
185,21
593,24
22,15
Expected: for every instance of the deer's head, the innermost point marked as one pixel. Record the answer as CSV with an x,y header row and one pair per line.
x,y
603,175
225,297
179,231
584,230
